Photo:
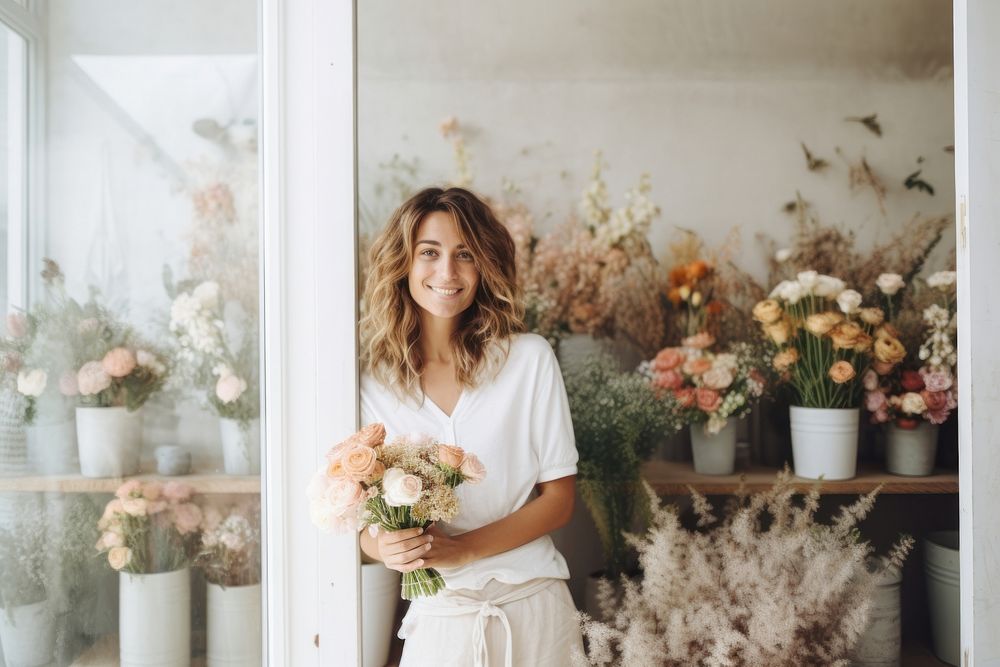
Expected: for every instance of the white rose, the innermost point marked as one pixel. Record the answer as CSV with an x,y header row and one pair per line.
x,y
32,383
207,294
783,255
229,388
808,279
779,289
890,283
717,378
848,300
913,403
828,286
793,292
941,279
399,488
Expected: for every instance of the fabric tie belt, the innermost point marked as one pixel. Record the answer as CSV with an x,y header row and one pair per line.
x,y
453,603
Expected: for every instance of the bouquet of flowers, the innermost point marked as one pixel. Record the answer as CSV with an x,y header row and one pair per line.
x,y
408,482
703,387
149,527
928,392
230,545
222,359
825,340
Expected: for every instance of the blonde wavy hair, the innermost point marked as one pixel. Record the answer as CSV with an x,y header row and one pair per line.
x,y
391,327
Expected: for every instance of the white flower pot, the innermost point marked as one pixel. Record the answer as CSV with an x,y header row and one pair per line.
x,y
30,640
13,450
379,597
879,646
154,619
234,625
911,451
824,442
714,454
941,566
109,440
52,448
240,446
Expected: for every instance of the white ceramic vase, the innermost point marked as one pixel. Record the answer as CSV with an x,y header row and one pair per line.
x,y
234,626
240,446
911,451
52,448
941,567
880,644
379,597
714,454
109,440
28,641
824,442
154,619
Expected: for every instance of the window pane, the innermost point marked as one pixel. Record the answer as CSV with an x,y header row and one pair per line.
x,y
129,390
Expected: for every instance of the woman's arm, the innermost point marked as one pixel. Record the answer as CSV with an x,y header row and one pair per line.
x,y
551,509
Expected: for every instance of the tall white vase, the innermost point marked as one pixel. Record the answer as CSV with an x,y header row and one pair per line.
x,y
911,451
234,626
154,619
30,640
379,597
52,448
714,454
824,442
941,566
880,644
110,440
240,446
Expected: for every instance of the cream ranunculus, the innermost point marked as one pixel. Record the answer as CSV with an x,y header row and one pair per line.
x,y
767,311
717,378
849,300
942,279
845,335
828,286
32,383
889,350
890,283
819,324
400,489
808,279
91,378
913,403
872,316
779,332
229,388
841,372
119,557
785,359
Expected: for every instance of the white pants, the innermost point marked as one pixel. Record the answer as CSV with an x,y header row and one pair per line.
x,y
531,624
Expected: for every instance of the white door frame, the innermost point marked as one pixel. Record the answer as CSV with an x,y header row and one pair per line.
x,y
310,313
977,196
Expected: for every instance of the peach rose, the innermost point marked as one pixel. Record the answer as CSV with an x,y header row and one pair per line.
x,y
785,359
187,518
708,400
699,341
819,324
717,378
335,468
473,469
872,316
344,493
359,462
668,380
119,557
450,456
229,388
92,379
889,350
779,331
372,435
767,311
668,359
697,366
684,397
845,335
841,372
119,362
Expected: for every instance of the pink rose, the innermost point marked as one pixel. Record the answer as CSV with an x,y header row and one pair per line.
x,y
372,435
684,397
229,388
670,379
937,416
17,325
67,384
92,379
176,491
880,416
400,489
473,469
450,456
869,380
717,378
875,401
119,557
156,506
187,518
358,462
697,366
119,362
708,400
135,506
343,494
152,490
935,400
699,341
133,487
937,381
668,359
336,453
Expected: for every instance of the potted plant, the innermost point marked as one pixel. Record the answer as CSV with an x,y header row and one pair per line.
x,y
707,392
617,420
824,341
920,394
27,619
149,533
219,355
229,556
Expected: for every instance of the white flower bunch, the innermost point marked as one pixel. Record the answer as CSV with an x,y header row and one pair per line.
x,y
811,283
942,280
633,218
594,204
196,321
938,348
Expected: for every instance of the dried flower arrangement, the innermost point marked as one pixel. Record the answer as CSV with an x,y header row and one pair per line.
x,y
768,585
230,544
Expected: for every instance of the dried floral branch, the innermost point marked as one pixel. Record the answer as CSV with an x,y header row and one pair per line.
x,y
813,163
870,122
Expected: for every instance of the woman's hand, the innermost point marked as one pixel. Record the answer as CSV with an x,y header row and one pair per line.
x,y
446,550
404,550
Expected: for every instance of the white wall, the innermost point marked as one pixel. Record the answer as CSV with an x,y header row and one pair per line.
x,y
711,99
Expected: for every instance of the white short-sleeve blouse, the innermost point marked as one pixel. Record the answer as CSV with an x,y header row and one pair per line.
x,y
519,425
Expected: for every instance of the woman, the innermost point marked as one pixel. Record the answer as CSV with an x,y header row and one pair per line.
x,y
445,356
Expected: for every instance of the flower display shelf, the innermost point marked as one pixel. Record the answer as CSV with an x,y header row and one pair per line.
x,y
200,482
672,478
104,653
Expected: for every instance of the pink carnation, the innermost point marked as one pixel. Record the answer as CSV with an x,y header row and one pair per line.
x,y
875,401
937,416
119,362
937,381
870,380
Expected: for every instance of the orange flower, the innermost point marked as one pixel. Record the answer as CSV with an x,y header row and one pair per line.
x,y
677,276
450,456
841,372
697,270
714,307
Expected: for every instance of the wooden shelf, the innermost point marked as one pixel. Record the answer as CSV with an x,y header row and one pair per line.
x,y
917,655
672,478
104,653
200,482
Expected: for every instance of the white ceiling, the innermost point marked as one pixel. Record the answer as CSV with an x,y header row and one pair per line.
x,y
635,39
